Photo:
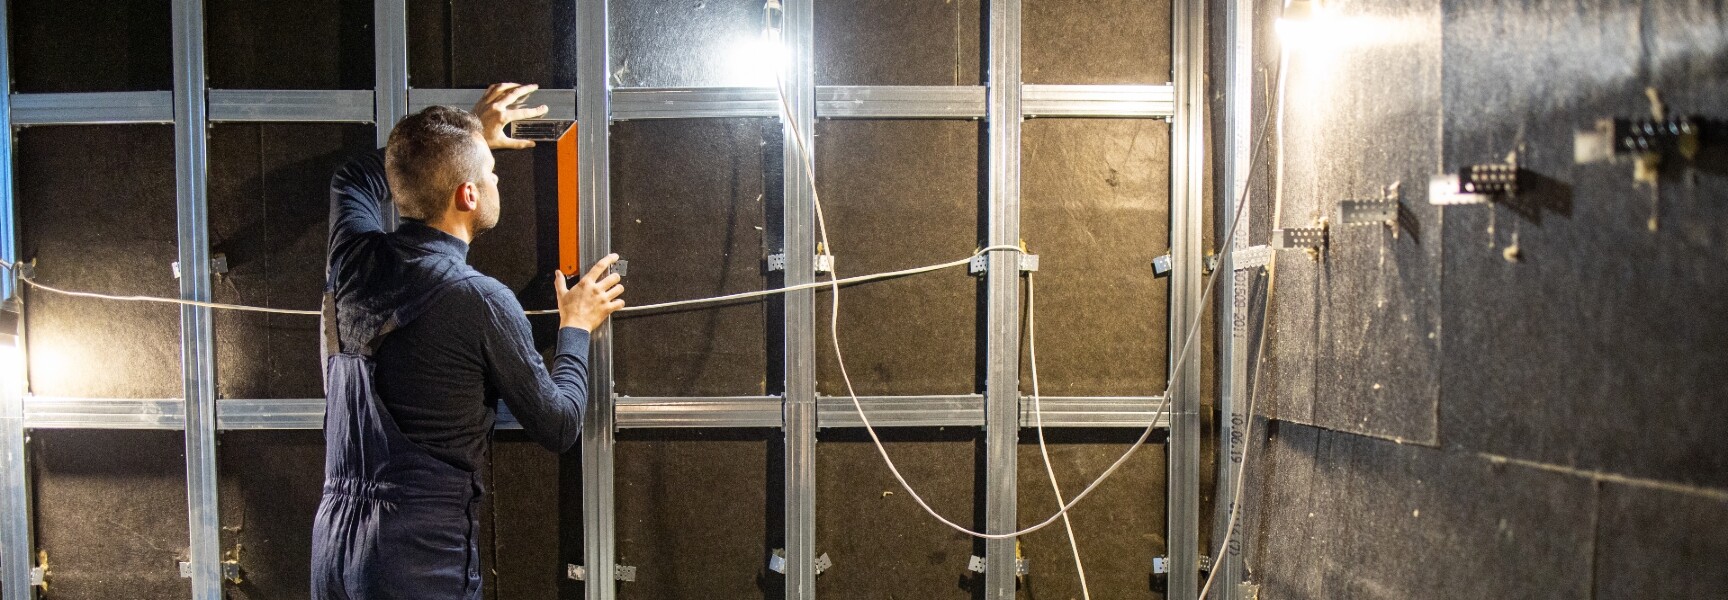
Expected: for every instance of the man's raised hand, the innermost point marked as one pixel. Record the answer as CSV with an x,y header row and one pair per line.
x,y
496,109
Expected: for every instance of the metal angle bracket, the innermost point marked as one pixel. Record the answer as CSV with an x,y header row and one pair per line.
x,y
777,562
1475,184
39,573
1311,239
230,571
625,573
824,263
1161,564
981,263
218,265
541,130
1021,566
1383,211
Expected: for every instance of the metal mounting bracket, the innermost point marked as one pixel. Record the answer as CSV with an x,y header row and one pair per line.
x,y
1021,565
1161,564
623,573
824,263
548,130
1163,265
1311,239
230,571
1383,211
777,562
1475,184
218,265
39,573
981,263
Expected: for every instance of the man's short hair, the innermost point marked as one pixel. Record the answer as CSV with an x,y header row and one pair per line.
x,y
429,154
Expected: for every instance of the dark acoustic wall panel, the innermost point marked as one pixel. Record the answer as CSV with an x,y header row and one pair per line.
x,y
96,212
698,511
104,46
269,217
524,520
900,194
269,484
1659,543
1601,347
1119,528
687,212
688,43
475,43
1333,515
1112,42
882,543
1096,209
1377,287
892,42
110,511
319,45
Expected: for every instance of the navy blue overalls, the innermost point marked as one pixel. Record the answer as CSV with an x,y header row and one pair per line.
x,y
394,521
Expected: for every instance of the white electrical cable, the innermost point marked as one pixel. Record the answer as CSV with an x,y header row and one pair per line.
x,y
1163,406
263,309
1038,416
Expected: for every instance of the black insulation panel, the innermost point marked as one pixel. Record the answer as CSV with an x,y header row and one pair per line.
x,y
330,42
1332,515
688,43
1662,543
110,512
473,44
1120,528
1376,289
698,512
269,217
1095,208
1115,42
687,212
1603,331
882,543
896,195
102,46
96,212
893,42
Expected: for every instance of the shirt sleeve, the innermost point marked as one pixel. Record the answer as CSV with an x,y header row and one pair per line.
x,y
359,194
549,405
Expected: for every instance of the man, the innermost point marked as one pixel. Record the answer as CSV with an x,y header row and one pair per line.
x,y
418,348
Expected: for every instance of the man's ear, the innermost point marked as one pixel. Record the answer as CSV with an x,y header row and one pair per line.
x,y
467,197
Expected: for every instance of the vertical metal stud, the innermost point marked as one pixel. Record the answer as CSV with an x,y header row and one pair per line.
x,y
1002,344
390,74
198,371
17,549
594,155
1233,299
798,224
1187,186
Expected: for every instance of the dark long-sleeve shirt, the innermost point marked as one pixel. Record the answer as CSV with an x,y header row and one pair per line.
x,y
441,375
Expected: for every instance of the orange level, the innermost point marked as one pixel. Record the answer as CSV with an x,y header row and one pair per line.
x,y
569,206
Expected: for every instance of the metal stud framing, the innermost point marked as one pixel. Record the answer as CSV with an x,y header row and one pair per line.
x,y
1004,102
798,217
1187,205
594,155
1002,296
197,354
1232,303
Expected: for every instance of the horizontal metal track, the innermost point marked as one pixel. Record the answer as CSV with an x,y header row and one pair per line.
x,y
1115,101
899,102
832,102
278,106
93,108
560,104
692,103
43,412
